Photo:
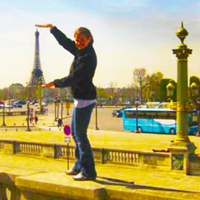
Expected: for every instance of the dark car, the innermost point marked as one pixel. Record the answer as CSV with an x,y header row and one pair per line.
x,y
118,113
18,105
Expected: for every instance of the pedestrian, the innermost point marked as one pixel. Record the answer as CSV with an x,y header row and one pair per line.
x,y
80,79
59,123
36,119
31,118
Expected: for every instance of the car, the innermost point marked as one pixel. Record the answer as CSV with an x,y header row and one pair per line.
x,y
6,106
43,104
18,105
117,113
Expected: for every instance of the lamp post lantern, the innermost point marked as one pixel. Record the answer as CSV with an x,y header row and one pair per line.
x,y
194,87
170,89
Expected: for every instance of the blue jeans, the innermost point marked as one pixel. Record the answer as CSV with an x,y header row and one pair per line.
x,y
83,152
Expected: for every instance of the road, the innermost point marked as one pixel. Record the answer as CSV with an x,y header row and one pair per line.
x,y
105,121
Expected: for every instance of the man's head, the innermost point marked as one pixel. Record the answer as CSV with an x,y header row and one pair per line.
x,y
83,37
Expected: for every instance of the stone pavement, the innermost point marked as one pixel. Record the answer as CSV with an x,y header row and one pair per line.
x,y
126,179
121,181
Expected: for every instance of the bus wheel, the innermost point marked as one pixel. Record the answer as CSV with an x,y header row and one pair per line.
x,y
140,129
172,131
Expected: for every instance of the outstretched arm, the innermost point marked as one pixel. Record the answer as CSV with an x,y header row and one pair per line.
x,y
50,84
45,26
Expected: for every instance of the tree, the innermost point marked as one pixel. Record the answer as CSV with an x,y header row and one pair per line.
x,y
139,78
113,92
152,89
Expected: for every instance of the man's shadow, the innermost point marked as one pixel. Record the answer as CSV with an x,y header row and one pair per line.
x,y
131,185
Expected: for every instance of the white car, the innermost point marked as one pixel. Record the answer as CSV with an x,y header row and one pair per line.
x,y
6,106
43,104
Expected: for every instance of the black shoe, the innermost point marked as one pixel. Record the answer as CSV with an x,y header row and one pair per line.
x,y
71,172
81,177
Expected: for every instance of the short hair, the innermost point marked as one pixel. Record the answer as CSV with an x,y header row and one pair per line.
x,y
84,31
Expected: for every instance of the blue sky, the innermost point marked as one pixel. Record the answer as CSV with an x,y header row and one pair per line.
x,y
128,34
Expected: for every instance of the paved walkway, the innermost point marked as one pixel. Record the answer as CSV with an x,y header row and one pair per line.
x,y
118,177
123,178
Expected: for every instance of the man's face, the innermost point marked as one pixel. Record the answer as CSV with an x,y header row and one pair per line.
x,y
81,41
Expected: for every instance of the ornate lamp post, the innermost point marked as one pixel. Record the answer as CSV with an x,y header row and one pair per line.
x,y
28,114
137,103
194,87
181,147
3,124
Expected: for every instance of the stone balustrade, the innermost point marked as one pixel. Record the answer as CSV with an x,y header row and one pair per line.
x,y
141,159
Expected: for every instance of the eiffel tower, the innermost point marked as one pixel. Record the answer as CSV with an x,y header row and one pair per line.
x,y
37,73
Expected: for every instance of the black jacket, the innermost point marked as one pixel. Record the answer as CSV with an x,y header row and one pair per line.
x,y
82,68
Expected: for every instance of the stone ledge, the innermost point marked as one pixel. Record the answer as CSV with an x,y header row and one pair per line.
x,y
7,181
149,193
8,175
58,185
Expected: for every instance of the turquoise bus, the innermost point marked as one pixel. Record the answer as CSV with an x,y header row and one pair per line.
x,y
156,120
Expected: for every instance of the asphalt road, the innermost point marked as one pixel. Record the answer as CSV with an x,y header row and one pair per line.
x,y
105,121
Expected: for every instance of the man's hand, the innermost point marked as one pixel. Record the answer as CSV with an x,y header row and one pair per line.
x,y
44,26
50,84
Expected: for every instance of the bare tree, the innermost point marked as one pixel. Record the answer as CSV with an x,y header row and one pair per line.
x,y
139,78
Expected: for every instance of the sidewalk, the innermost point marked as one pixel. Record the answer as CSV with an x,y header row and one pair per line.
x,y
128,180
121,181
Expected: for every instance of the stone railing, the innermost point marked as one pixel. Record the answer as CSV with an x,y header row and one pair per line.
x,y
24,184
141,159
101,155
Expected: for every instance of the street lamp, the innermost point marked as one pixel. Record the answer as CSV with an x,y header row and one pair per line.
x,y
28,114
137,103
170,89
181,147
170,92
194,88
3,124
